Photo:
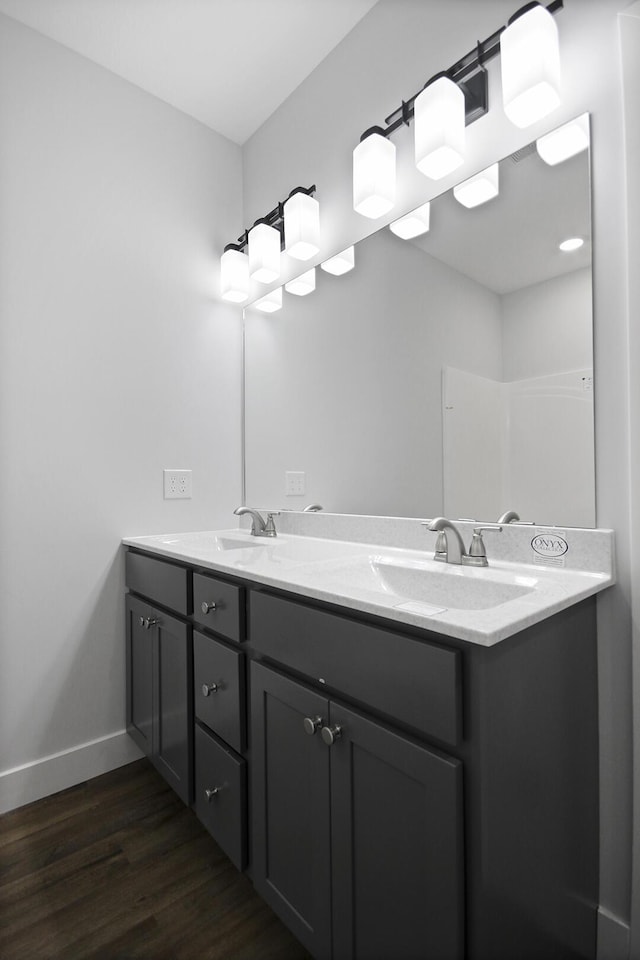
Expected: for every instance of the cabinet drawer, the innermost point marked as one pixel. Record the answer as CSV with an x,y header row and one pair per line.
x,y
221,802
219,688
218,606
163,582
411,681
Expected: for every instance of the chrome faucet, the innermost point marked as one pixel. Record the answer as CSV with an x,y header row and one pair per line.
x,y
509,517
312,508
259,527
450,545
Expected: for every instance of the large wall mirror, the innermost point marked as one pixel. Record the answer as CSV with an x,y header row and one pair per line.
x,y
449,374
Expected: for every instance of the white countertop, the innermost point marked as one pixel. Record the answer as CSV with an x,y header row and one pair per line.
x,y
479,605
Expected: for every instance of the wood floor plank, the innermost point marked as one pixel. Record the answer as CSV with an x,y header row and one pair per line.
x,y
117,869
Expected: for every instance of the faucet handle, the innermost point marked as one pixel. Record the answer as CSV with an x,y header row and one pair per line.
x,y
477,548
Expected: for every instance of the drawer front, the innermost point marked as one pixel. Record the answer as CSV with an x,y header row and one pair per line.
x,y
218,605
219,688
221,800
413,682
163,582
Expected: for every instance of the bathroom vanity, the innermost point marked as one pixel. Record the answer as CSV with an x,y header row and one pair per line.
x,y
397,785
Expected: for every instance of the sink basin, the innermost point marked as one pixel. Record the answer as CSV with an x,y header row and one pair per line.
x,y
454,588
397,581
212,542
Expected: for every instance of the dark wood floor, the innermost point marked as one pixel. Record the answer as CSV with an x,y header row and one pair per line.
x,y
118,867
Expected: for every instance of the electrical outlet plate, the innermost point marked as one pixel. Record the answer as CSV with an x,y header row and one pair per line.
x,y
177,484
294,483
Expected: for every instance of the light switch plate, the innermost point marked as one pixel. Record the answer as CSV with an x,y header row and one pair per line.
x,y
177,484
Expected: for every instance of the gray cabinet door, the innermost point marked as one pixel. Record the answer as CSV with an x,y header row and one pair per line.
x,y
173,729
139,675
160,692
397,869
291,807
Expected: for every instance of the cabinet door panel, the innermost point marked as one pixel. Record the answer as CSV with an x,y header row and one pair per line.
x,y
139,676
290,807
396,846
173,747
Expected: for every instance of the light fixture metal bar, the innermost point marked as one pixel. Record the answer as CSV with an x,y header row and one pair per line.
x,y
468,73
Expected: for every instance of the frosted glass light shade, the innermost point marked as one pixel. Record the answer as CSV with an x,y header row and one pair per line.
x,y
302,285
530,57
234,276
568,140
479,188
264,253
412,224
439,128
301,226
341,263
374,176
270,302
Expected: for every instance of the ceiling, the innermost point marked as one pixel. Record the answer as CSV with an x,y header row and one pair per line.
x,y
227,63
512,241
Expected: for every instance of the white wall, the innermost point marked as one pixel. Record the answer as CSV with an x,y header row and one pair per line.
x,y
310,139
115,361
547,327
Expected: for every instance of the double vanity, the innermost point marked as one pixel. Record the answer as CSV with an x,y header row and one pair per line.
x,y
401,752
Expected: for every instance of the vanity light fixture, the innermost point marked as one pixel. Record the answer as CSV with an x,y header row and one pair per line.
x,y
234,274
301,225
413,224
479,188
374,174
340,263
564,142
530,55
439,128
436,108
270,302
264,252
295,221
302,285
573,243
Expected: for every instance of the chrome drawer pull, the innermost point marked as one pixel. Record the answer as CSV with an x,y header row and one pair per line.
x,y
208,688
312,725
206,607
210,794
331,734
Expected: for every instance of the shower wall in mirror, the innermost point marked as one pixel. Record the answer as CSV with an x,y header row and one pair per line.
x,y
448,374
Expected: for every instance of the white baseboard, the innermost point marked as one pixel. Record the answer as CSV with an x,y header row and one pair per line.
x,y
39,779
613,937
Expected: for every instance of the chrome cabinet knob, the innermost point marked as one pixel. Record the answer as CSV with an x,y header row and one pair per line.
x,y
206,607
312,725
208,688
210,794
331,734
148,622
143,621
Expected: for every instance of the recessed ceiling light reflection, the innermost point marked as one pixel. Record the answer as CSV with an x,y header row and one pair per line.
x,y
573,243
413,224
